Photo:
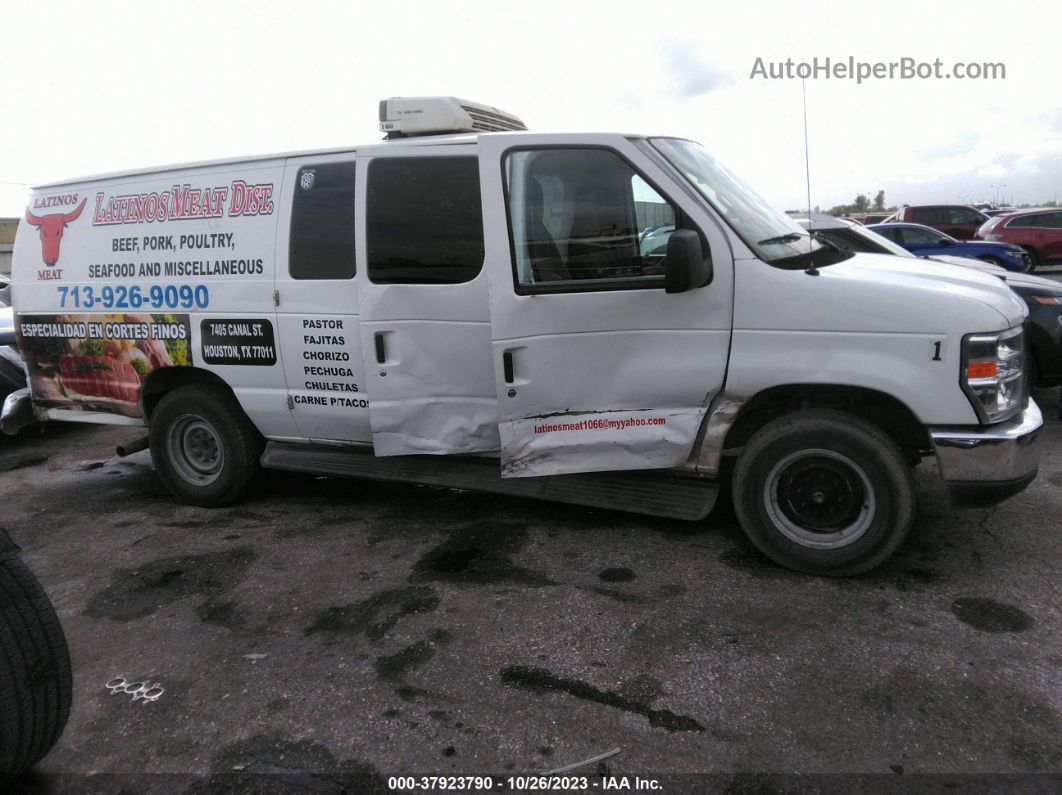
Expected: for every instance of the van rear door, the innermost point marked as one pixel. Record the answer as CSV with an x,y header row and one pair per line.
x,y
596,367
425,325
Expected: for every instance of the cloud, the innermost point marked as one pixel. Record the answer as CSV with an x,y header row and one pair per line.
x,y
689,73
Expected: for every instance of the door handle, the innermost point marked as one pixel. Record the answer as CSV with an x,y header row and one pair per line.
x,y
381,349
507,366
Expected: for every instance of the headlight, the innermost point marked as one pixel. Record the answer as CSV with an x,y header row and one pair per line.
x,y
993,374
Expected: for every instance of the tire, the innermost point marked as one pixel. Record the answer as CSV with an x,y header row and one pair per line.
x,y
1034,260
821,454
205,449
35,681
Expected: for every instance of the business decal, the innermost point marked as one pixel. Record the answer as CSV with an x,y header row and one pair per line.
x,y
98,362
50,228
183,202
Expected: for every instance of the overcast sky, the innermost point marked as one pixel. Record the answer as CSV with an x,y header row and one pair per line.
x,y
111,85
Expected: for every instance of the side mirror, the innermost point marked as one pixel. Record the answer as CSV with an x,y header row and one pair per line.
x,y
688,266
944,241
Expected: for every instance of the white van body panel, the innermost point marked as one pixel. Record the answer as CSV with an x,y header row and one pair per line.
x,y
872,321
603,379
432,392
174,249
319,328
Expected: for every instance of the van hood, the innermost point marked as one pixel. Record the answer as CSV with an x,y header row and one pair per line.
x,y
935,278
875,293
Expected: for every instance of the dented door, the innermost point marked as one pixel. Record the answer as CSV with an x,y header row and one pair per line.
x,y
425,326
596,367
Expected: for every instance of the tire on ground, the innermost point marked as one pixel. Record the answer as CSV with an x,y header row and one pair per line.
x,y
821,445
35,681
186,425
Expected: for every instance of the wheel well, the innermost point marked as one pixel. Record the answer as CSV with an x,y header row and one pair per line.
x,y
877,408
167,379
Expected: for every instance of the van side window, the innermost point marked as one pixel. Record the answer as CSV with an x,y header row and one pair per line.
x,y
583,219
424,220
321,245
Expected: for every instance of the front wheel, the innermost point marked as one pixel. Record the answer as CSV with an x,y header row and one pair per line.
x,y
824,492
35,681
1033,262
205,449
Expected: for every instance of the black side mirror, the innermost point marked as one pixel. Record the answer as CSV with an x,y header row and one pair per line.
x,y
944,241
688,266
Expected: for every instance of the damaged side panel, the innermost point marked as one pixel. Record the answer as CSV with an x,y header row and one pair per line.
x,y
598,441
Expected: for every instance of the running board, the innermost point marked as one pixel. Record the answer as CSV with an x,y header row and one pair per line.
x,y
653,492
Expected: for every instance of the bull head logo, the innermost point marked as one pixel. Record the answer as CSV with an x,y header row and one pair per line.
x,y
51,229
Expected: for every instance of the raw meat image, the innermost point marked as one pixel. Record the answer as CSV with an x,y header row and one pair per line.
x,y
98,362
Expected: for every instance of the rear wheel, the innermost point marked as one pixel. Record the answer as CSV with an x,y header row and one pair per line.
x,y
204,448
824,492
35,682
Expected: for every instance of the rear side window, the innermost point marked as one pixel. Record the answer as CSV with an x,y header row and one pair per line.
x,y
930,215
965,215
321,245
424,220
1041,221
920,237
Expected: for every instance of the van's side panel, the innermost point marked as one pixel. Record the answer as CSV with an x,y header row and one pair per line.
x,y
319,318
117,278
427,345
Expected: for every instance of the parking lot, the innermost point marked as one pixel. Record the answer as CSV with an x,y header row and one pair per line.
x,y
330,627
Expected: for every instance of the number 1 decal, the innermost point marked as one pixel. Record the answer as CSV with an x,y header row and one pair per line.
x,y
936,351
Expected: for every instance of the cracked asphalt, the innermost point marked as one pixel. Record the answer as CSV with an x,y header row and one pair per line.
x,y
329,628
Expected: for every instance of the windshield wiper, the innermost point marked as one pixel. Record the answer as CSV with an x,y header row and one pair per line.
x,y
792,237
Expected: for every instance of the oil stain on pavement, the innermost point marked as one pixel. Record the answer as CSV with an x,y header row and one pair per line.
x,y
479,554
273,763
988,615
539,680
376,615
140,591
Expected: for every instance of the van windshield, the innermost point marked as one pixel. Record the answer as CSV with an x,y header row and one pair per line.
x,y
767,231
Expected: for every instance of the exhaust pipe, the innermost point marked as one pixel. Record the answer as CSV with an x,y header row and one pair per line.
x,y
134,446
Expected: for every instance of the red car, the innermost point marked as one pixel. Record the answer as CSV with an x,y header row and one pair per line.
x,y
1037,231
957,220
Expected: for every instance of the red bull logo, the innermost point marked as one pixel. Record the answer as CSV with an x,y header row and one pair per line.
x,y
51,229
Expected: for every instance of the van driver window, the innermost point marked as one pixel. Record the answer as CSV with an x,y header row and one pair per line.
x,y
321,245
424,220
584,219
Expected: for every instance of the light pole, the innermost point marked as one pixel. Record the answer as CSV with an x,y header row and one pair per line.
x,y
998,187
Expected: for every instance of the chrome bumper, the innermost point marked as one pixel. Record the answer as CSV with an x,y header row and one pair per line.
x,y
987,464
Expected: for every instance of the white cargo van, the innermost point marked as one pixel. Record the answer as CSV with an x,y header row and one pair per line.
x,y
600,319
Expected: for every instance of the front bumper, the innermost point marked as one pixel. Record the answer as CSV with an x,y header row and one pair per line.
x,y
986,465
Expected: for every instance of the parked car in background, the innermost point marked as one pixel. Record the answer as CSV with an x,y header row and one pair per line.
x,y
1039,232
924,240
957,220
867,218
1042,296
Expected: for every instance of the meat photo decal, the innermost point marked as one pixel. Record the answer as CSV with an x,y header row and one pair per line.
x,y
98,362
